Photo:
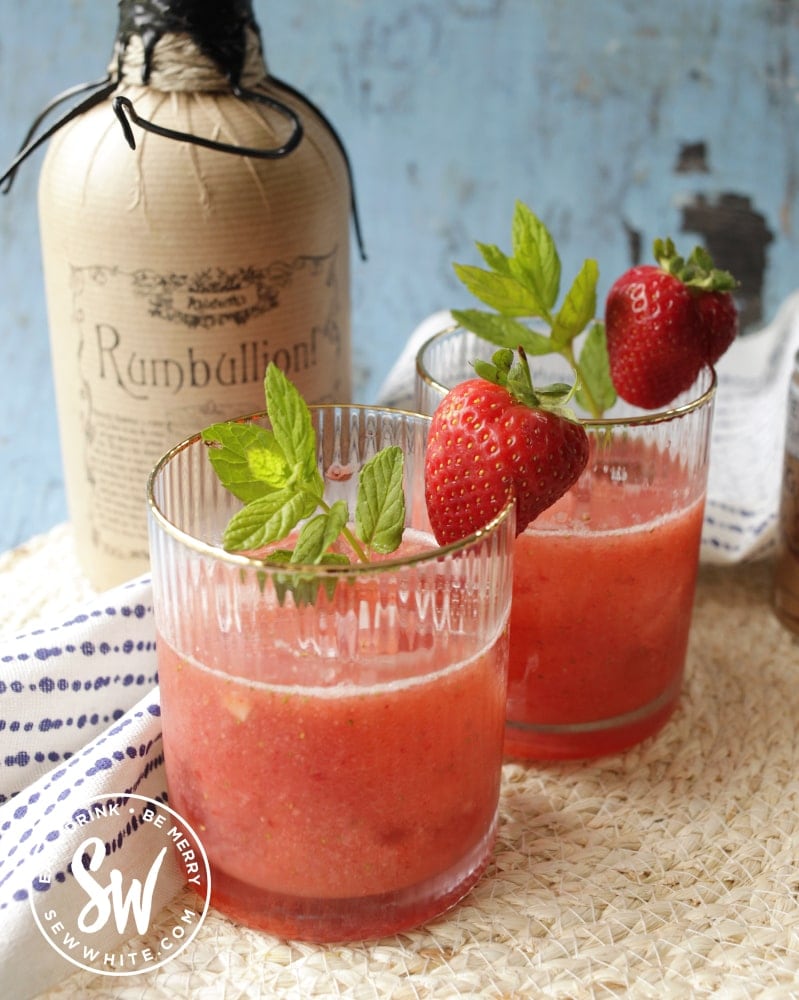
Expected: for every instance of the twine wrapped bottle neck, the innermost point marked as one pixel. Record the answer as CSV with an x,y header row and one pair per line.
x,y
177,63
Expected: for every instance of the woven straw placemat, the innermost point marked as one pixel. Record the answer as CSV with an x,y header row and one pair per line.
x,y
669,871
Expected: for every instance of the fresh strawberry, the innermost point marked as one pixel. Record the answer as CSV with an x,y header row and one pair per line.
x,y
495,436
653,348
663,324
717,316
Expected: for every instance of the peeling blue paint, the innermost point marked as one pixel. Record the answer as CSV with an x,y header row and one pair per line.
x,y
616,121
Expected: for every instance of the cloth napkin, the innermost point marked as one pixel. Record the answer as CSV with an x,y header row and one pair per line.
x,y
79,718
79,703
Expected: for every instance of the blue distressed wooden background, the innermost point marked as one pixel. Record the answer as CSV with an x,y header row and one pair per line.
x,y
615,121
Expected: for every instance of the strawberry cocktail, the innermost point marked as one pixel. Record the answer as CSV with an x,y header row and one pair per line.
x,y
603,593
604,574
318,798
604,578
333,725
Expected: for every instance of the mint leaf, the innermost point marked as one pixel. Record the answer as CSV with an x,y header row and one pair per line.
x,y
268,467
579,306
246,459
536,260
596,391
494,257
499,291
380,506
268,519
525,286
314,538
292,428
503,331
304,587
275,472
318,534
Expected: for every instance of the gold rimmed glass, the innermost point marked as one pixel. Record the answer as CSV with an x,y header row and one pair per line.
x,y
339,756
604,580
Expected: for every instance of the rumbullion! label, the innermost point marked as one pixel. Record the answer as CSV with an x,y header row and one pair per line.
x,y
160,356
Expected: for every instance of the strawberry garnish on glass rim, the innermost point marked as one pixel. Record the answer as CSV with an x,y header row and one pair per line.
x,y
496,436
664,323
650,347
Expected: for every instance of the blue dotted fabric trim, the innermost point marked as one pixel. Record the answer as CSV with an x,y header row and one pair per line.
x,y
127,755
127,758
63,685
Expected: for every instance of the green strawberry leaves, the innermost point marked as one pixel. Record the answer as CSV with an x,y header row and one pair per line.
x,y
526,286
698,271
275,473
510,370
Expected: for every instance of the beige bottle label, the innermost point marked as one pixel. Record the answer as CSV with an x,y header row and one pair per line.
x,y
158,356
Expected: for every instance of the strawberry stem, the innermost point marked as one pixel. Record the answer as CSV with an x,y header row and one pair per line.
x,y
511,370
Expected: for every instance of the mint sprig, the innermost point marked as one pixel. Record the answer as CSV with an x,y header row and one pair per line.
x,y
274,472
525,286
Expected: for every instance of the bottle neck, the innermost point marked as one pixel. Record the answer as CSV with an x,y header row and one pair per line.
x,y
189,45
176,62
